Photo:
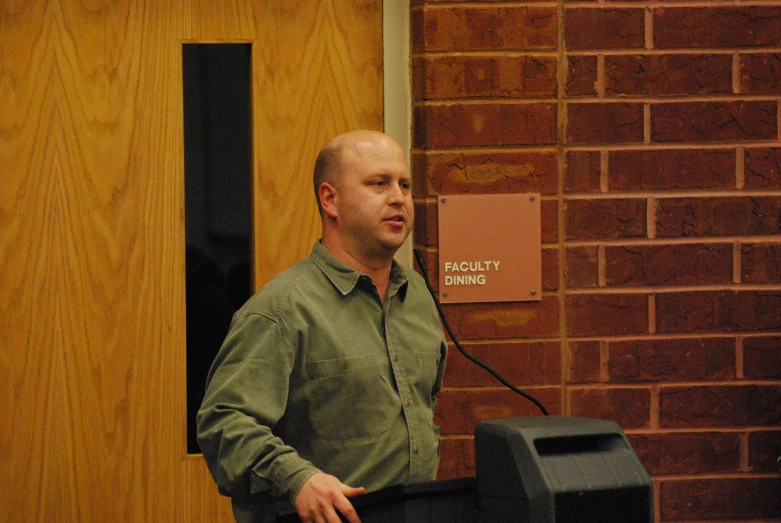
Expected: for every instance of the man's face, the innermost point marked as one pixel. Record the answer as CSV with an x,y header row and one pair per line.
x,y
374,199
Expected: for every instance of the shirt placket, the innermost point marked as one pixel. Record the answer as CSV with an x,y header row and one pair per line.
x,y
403,386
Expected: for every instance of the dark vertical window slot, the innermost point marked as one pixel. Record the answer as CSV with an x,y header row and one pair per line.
x,y
218,219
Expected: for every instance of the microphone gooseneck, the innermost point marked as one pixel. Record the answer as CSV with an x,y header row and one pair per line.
x,y
492,372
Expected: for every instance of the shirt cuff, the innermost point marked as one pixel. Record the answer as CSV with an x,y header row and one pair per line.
x,y
289,472
297,481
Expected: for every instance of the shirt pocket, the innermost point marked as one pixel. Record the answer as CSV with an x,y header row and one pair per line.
x,y
426,374
428,360
350,398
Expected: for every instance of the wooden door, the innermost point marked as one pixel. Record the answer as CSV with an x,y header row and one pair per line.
x,y
92,325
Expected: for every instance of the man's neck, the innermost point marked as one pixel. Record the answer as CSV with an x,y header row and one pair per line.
x,y
378,271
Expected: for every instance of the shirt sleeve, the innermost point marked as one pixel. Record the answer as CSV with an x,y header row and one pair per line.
x,y
246,394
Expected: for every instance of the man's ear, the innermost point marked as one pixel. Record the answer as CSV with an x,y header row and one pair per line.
x,y
328,196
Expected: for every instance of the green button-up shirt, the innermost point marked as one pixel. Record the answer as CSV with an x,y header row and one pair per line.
x,y
317,373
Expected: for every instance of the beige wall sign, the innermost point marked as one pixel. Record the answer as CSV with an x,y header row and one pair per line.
x,y
489,248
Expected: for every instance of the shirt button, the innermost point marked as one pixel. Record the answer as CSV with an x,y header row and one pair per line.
x,y
437,361
345,365
416,450
395,359
407,403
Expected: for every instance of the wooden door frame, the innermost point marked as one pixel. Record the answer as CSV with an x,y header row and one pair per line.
x,y
397,97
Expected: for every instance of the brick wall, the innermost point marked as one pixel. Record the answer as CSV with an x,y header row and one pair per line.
x,y
652,131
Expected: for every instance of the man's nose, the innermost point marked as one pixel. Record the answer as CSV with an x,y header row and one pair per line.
x,y
396,193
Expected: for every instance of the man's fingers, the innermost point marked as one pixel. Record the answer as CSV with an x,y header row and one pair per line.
x,y
330,515
349,491
322,495
346,508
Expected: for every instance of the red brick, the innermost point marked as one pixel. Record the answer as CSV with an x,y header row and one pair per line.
x,y
766,215
470,124
582,76
598,123
692,453
550,269
431,258
671,360
761,263
671,169
421,78
724,311
418,169
704,217
763,168
663,75
610,218
760,73
582,267
417,29
489,173
720,406
604,29
486,28
700,27
699,217
600,314
584,362
582,172
456,458
504,320
520,363
630,408
458,411
426,223
720,498
714,121
549,215
540,76
762,357
438,77
692,264
764,448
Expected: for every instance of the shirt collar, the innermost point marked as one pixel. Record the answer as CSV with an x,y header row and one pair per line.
x,y
346,278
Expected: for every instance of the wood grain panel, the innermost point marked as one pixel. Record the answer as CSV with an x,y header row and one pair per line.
x,y
25,361
317,73
92,323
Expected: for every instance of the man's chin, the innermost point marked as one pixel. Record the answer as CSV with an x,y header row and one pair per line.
x,y
394,243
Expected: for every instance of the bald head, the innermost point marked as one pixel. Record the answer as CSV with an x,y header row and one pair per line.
x,y
330,162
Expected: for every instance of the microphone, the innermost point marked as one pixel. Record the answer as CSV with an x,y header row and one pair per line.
x,y
492,372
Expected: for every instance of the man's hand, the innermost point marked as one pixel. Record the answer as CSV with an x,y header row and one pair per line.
x,y
322,495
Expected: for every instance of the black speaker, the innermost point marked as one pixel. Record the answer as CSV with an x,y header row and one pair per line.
x,y
559,469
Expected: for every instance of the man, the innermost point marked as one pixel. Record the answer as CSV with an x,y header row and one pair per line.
x,y
329,374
